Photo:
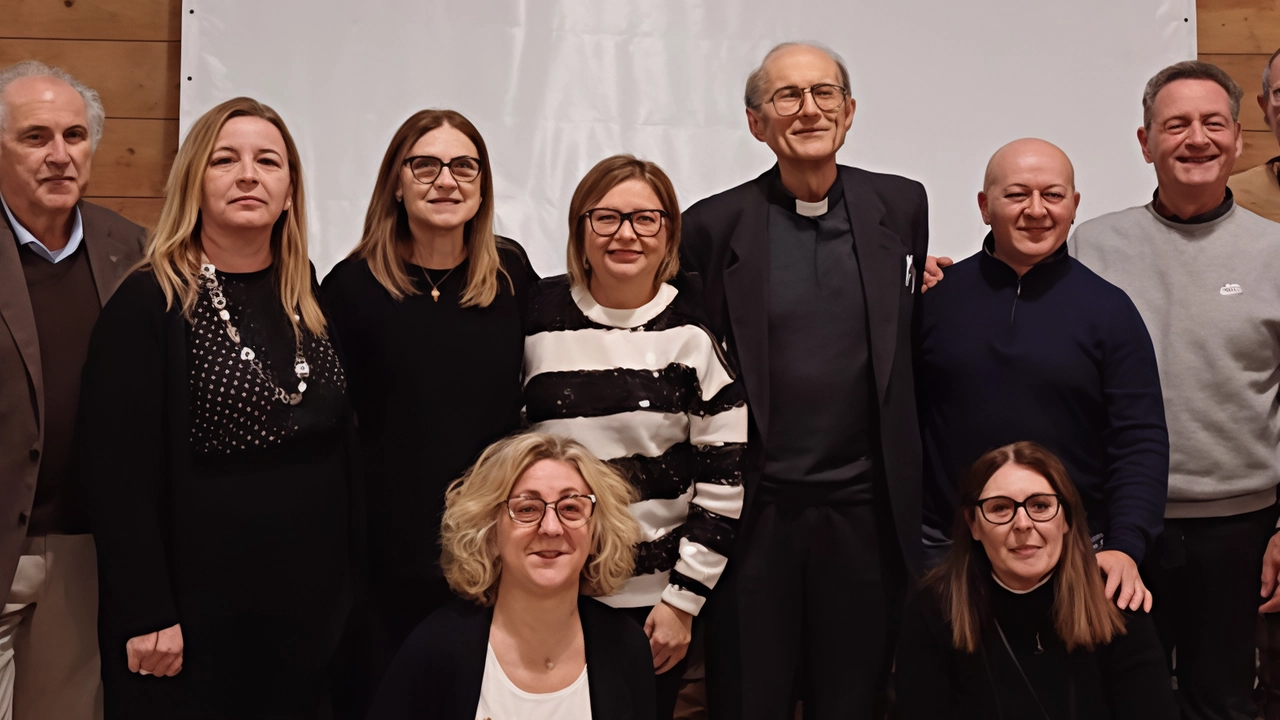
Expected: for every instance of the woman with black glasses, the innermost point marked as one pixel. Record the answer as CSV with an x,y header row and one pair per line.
x,y
427,316
618,359
1014,623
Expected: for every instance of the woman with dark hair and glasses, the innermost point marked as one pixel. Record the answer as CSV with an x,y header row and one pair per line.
x,y
618,359
427,315
532,530
1014,623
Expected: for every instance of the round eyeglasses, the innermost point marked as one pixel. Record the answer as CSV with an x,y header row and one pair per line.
x,y
606,222
787,101
573,510
427,168
1001,510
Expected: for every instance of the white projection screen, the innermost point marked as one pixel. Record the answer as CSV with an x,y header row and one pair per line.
x,y
556,85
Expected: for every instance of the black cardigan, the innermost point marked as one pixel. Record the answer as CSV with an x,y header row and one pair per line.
x,y
440,668
1127,678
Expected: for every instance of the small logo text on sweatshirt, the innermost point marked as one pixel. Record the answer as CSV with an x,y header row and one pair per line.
x,y
1231,289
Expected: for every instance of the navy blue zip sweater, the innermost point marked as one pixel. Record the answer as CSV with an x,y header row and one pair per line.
x,y
1059,356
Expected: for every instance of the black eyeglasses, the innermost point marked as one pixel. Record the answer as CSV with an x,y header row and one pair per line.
x,y
573,510
1001,510
787,101
426,168
605,222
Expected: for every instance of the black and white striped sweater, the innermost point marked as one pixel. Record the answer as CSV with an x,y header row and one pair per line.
x,y
649,391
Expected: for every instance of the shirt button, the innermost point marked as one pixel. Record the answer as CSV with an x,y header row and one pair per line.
x,y
22,518
34,454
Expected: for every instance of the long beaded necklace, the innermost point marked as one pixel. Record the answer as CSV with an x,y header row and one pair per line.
x,y
209,276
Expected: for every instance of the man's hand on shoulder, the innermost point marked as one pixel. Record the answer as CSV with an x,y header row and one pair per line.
x,y
1124,584
933,270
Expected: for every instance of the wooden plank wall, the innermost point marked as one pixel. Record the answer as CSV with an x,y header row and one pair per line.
x,y
127,50
1239,36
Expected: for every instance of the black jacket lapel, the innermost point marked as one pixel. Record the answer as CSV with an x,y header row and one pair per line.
x,y
746,285
882,262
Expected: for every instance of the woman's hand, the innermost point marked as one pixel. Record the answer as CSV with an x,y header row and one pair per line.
x,y
158,653
669,630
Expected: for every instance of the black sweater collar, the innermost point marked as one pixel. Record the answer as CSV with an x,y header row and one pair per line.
x,y
1223,208
1040,277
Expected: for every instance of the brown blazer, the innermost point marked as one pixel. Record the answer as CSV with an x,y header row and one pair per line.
x,y
114,245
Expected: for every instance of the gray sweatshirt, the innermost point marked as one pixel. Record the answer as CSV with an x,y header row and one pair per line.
x,y
1210,297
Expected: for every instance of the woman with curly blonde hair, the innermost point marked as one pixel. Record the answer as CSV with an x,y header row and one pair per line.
x,y
536,526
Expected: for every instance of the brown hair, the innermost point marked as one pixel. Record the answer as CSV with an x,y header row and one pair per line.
x,y
173,251
386,224
599,180
1083,616
1190,70
474,506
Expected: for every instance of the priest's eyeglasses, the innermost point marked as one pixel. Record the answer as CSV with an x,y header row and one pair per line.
x,y
605,222
426,168
787,101
573,510
1001,510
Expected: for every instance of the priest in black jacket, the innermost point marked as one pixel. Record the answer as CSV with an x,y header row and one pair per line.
x,y
1022,342
809,278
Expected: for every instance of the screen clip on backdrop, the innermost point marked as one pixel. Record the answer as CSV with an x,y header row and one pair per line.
x,y
556,85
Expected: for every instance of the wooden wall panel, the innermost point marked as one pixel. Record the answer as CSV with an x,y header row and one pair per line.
x,y
1259,147
134,79
129,51
92,19
1239,36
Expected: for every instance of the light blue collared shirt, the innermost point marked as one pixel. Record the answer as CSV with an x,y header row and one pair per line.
x,y
26,238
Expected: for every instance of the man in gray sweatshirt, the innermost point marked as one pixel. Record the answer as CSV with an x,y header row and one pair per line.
x,y
1201,271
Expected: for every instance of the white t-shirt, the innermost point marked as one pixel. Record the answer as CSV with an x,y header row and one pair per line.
x,y
500,699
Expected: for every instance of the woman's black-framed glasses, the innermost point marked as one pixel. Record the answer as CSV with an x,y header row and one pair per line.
x,y
426,168
606,222
573,510
787,101
1001,510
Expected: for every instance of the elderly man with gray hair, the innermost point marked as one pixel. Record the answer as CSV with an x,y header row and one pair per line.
x,y
1202,271
809,277
60,259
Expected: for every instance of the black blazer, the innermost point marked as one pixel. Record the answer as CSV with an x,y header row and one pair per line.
x,y
439,669
725,241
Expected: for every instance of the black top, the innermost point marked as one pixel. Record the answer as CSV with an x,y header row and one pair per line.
x,y
1060,357
235,407
433,384
64,303
1125,679
439,671
1228,202
247,549
819,367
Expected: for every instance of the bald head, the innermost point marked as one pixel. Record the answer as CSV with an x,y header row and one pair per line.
x,y
1028,152
1029,199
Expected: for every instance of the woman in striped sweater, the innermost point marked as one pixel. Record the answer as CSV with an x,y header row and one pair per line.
x,y
617,358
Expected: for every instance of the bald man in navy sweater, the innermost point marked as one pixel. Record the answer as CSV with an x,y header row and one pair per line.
x,y
1023,342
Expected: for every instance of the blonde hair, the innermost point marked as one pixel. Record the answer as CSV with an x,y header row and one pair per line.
x,y
386,224
474,506
1082,615
173,251
599,180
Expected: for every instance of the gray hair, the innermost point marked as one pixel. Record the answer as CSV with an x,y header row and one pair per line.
x,y
1266,74
34,68
1189,70
758,80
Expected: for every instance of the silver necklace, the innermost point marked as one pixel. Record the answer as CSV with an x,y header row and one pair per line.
x,y
209,276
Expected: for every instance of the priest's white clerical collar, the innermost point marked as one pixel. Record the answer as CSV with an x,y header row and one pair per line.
x,y
811,209
1022,592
